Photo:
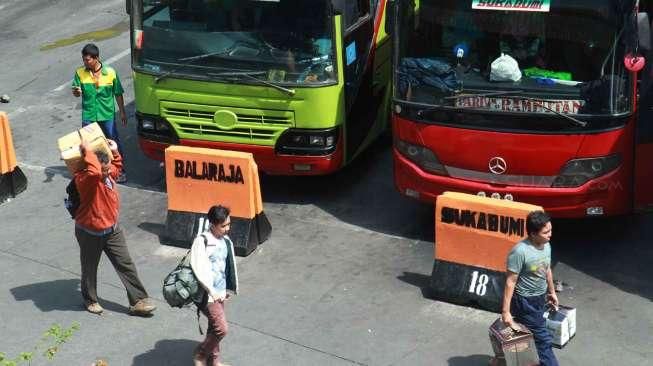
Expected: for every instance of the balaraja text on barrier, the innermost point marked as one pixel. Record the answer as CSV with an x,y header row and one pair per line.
x,y
209,171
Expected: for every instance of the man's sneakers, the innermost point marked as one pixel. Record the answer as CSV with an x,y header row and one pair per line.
x,y
143,307
122,177
94,308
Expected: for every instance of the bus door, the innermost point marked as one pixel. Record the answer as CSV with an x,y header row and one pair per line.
x,y
644,134
358,32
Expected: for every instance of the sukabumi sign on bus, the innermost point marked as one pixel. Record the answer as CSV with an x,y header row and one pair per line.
x,y
520,105
512,5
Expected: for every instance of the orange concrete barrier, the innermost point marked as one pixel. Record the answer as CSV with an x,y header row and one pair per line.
x,y
199,178
473,236
12,179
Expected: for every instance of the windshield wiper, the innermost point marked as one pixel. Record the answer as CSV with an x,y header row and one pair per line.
x,y
188,60
290,92
491,94
205,55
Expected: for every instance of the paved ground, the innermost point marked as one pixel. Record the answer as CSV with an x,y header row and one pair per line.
x,y
341,281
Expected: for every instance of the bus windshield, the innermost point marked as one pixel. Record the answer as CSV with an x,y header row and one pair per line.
x,y
501,56
286,41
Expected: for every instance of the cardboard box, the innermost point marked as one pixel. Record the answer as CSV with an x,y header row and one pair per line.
x,y
561,324
69,145
571,318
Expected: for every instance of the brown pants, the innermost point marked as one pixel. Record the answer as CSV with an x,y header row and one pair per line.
x,y
217,330
115,247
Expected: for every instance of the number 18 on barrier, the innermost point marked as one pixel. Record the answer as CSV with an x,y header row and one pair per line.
x,y
473,236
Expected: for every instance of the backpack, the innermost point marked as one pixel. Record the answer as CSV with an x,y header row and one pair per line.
x,y
180,287
72,201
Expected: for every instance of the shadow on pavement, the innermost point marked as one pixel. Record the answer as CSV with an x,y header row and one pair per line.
x,y
361,194
153,228
168,352
473,360
142,172
51,171
614,250
59,295
418,280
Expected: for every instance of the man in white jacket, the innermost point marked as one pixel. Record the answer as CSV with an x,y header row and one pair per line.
x,y
212,261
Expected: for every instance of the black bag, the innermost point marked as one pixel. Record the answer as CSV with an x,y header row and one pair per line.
x,y
72,201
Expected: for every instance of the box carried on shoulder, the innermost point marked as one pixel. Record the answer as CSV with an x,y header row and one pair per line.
x,y
69,145
513,348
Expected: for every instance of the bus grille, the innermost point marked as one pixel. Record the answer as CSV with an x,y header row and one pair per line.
x,y
208,130
260,126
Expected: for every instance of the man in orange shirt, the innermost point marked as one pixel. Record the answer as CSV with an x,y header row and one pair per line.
x,y
97,230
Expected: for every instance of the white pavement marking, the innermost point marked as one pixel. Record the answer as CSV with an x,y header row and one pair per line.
x,y
39,168
329,221
17,112
107,62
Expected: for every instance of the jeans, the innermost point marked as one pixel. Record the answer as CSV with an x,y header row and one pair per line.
x,y
529,311
110,130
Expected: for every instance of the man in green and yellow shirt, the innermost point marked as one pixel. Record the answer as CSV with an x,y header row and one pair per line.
x,y
98,85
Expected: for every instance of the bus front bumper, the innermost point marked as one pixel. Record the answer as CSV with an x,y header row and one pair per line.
x,y
607,192
266,157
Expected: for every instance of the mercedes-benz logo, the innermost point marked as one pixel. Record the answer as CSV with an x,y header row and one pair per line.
x,y
497,165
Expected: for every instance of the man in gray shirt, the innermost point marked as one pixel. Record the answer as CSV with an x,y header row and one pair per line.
x,y
529,284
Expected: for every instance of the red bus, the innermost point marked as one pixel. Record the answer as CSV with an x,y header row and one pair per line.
x,y
530,101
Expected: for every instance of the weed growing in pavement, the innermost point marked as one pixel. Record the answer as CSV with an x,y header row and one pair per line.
x,y
48,346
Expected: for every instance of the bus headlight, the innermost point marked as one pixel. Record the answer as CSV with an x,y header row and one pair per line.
x,y
421,156
147,125
308,142
580,171
155,128
316,140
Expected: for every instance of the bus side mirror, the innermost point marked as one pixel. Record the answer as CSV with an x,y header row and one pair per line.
x,y
390,16
643,32
128,6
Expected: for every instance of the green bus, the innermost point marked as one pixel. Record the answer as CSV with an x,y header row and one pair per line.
x,y
302,85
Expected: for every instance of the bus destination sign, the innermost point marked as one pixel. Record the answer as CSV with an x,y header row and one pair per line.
x,y
520,105
512,5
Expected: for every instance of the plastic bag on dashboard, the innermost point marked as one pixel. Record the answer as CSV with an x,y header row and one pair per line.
x,y
505,68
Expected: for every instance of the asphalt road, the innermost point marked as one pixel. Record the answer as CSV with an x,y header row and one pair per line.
x,y
343,279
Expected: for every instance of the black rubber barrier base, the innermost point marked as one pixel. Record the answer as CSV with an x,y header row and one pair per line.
x,y
466,285
12,183
246,234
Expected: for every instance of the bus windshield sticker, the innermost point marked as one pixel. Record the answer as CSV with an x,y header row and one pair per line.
x,y
351,53
512,5
519,105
